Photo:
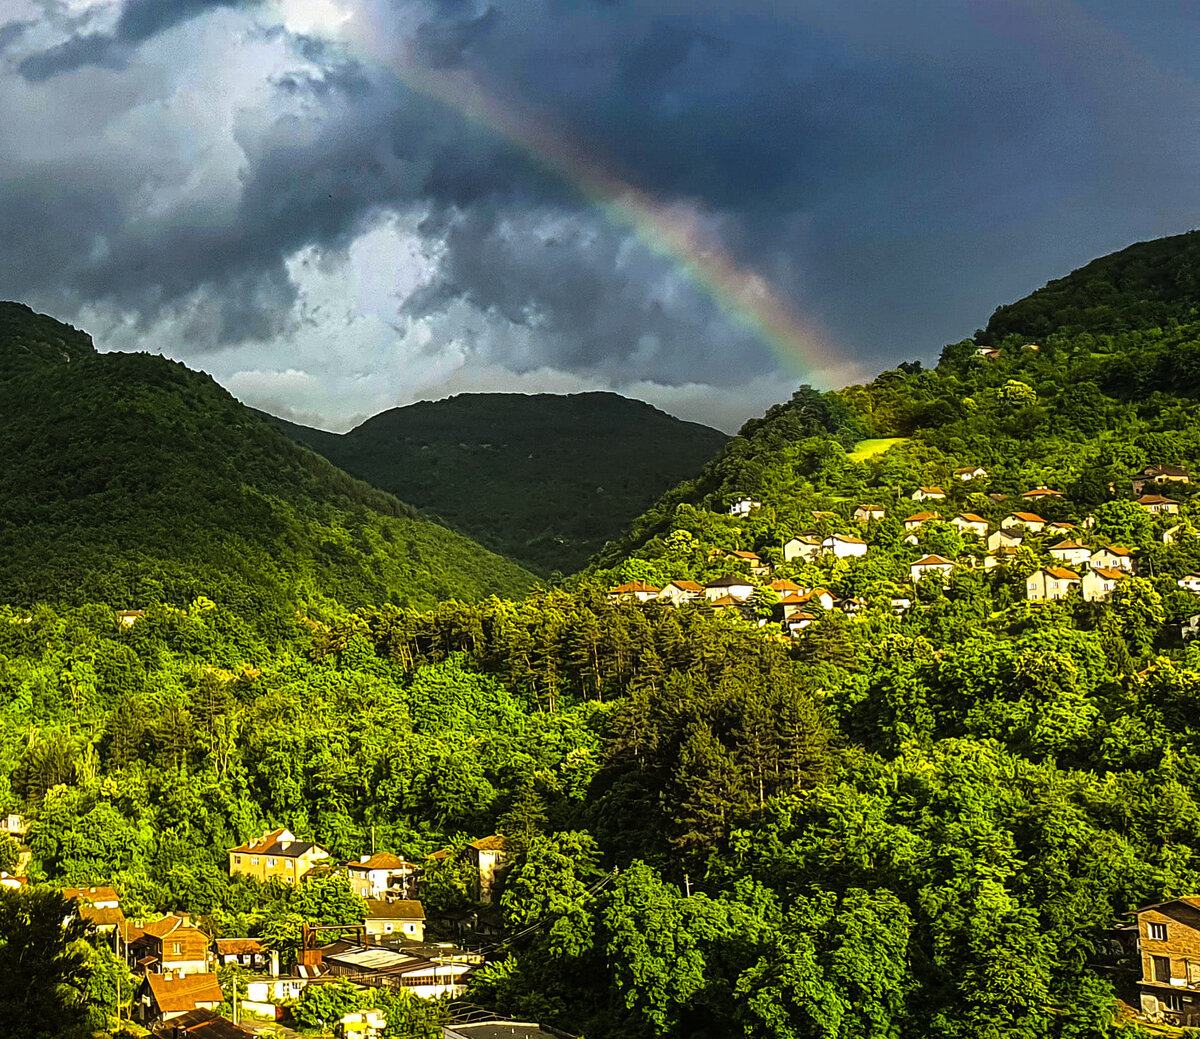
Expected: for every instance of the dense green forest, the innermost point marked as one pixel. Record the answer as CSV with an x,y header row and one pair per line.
x,y
902,823
540,478
129,479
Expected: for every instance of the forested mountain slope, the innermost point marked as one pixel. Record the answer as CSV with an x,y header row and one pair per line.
x,y
129,479
544,479
1082,384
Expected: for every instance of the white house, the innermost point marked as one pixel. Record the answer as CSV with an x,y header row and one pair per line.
x,y
1071,552
805,548
798,622
1157,505
1114,557
977,472
843,546
928,494
1065,529
930,564
382,875
1007,539
744,506
1041,492
680,591
820,596
1189,582
869,513
1171,534
1099,583
969,523
733,585
1191,627
1029,520
1051,582
633,591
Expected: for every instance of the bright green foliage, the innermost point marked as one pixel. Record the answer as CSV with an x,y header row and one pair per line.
x,y
44,965
322,1006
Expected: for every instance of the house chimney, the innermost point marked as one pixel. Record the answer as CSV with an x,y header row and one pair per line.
x,y
364,858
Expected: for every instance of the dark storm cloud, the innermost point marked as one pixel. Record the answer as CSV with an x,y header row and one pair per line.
x,y
139,21
894,169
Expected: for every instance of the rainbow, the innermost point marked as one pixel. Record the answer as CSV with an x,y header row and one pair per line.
x,y
674,231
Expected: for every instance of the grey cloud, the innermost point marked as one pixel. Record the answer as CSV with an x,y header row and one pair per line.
x,y
139,21
895,169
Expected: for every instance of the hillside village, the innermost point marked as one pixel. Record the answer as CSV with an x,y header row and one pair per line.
x,y
185,981
1057,559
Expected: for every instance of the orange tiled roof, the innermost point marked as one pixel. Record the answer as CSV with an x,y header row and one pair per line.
x,y
175,995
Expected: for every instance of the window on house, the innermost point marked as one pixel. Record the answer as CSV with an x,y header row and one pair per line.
x,y
237,859
253,860
270,862
1162,968
176,948
1158,932
1172,1001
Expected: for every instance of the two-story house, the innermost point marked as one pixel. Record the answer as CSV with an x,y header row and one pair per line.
x,y
399,918
1051,583
804,547
1169,940
384,876
276,854
172,945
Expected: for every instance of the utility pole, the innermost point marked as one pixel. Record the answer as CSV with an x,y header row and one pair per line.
x,y
687,884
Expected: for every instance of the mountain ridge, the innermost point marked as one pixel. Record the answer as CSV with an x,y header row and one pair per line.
x,y
546,479
133,478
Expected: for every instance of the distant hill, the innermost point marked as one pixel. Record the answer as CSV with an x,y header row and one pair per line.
x,y
128,478
543,479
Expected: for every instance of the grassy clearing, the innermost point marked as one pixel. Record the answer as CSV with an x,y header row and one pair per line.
x,y
865,449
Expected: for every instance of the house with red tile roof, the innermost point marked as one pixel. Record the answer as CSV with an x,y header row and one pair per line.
x,y
1051,583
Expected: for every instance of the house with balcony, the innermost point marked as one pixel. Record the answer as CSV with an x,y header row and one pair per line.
x,y
172,946
1159,475
1100,582
681,591
1169,942
397,918
971,472
633,591
928,494
1031,521
929,565
1071,553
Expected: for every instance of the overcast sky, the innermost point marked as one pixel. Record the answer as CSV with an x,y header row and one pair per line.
x,y
338,206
